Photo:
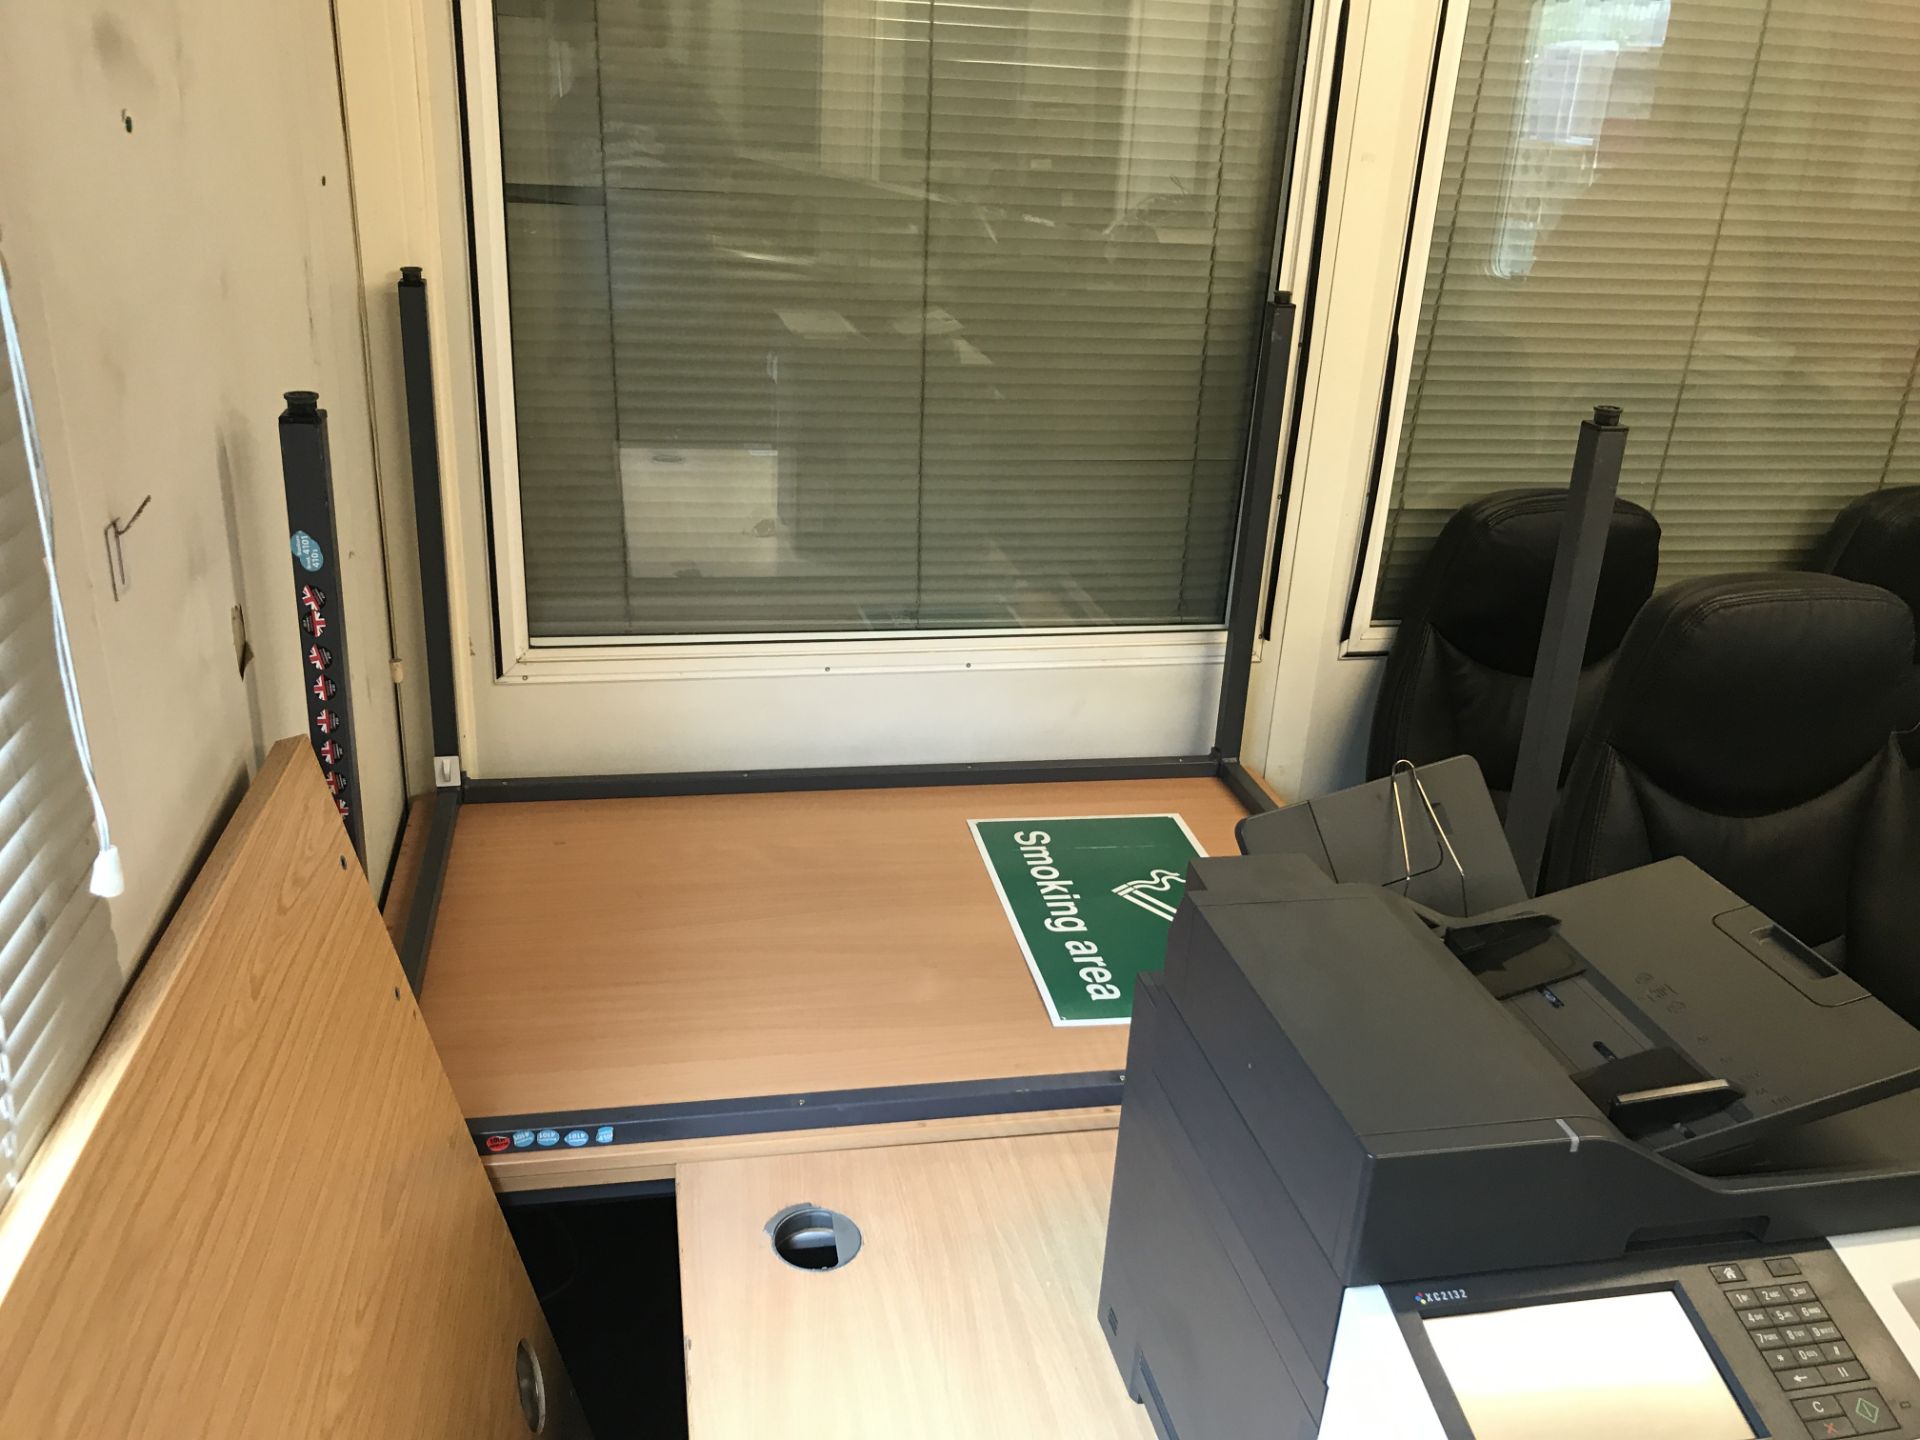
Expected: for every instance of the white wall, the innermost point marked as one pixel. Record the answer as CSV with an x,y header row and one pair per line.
x,y
176,220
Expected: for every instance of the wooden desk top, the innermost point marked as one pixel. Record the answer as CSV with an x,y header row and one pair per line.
x,y
257,1214
610,953
969,1313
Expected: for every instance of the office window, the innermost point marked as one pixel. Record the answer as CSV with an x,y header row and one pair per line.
x,y
1705,211
885,315
59,976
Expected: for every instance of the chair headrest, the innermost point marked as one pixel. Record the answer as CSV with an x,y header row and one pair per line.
x,y
1746,694
1493,565
1876,541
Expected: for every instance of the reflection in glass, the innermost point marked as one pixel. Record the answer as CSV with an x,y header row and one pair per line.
x,y
855,315
1704,211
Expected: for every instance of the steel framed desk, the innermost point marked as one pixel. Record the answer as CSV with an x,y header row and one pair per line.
x,y
760,973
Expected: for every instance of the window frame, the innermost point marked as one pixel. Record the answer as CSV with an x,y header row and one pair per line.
x,y
520,658
1361,634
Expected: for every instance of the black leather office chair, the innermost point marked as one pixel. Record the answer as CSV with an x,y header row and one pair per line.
x,y
1876,540
1749,728
1456,681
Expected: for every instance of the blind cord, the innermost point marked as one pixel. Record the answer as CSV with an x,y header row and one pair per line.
x,y
107,879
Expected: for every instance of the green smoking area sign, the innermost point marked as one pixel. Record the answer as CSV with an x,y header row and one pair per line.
x,y
1090,899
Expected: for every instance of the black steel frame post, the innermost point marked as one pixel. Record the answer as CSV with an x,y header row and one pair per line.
x,y
423,906
443,806
1258,499
320,606
1563,638
423,434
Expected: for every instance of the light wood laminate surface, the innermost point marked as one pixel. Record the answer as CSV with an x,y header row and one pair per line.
x,y
969,1313
260,1213
605,953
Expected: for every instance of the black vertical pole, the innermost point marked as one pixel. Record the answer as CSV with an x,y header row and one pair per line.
x,y
423,434
1563,638
429,526
319,605
1256,517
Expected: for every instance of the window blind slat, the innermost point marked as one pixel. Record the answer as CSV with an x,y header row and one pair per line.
x,y
877,314
1729,249
59,976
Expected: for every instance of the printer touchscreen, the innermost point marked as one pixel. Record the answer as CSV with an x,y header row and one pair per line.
x,y
1587,1370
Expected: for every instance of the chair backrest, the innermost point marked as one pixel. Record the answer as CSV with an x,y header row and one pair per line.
x,y
1456,681
1876,540
1749,727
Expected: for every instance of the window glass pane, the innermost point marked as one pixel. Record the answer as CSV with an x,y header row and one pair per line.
x,y
1705,211
848,315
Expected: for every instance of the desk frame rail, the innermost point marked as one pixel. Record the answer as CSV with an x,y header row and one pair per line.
x,y
1258,503
820,1110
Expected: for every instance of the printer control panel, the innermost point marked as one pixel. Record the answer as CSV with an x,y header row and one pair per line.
x,y
1811,1357
1780,1343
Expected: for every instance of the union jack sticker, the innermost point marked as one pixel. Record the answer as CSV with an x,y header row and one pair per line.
x,y
335,783
319,657
327,721
332,751
314,623
313,597
323,687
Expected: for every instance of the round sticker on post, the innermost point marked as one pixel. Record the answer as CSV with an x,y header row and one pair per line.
x,y
307,551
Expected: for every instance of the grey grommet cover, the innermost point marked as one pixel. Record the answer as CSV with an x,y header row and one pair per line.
x,y
811,1237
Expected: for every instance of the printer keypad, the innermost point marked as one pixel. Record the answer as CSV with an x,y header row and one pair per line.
x,y
1804,1349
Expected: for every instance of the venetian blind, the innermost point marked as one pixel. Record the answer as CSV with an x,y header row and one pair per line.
x,y
59,976
1707,212
837,315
